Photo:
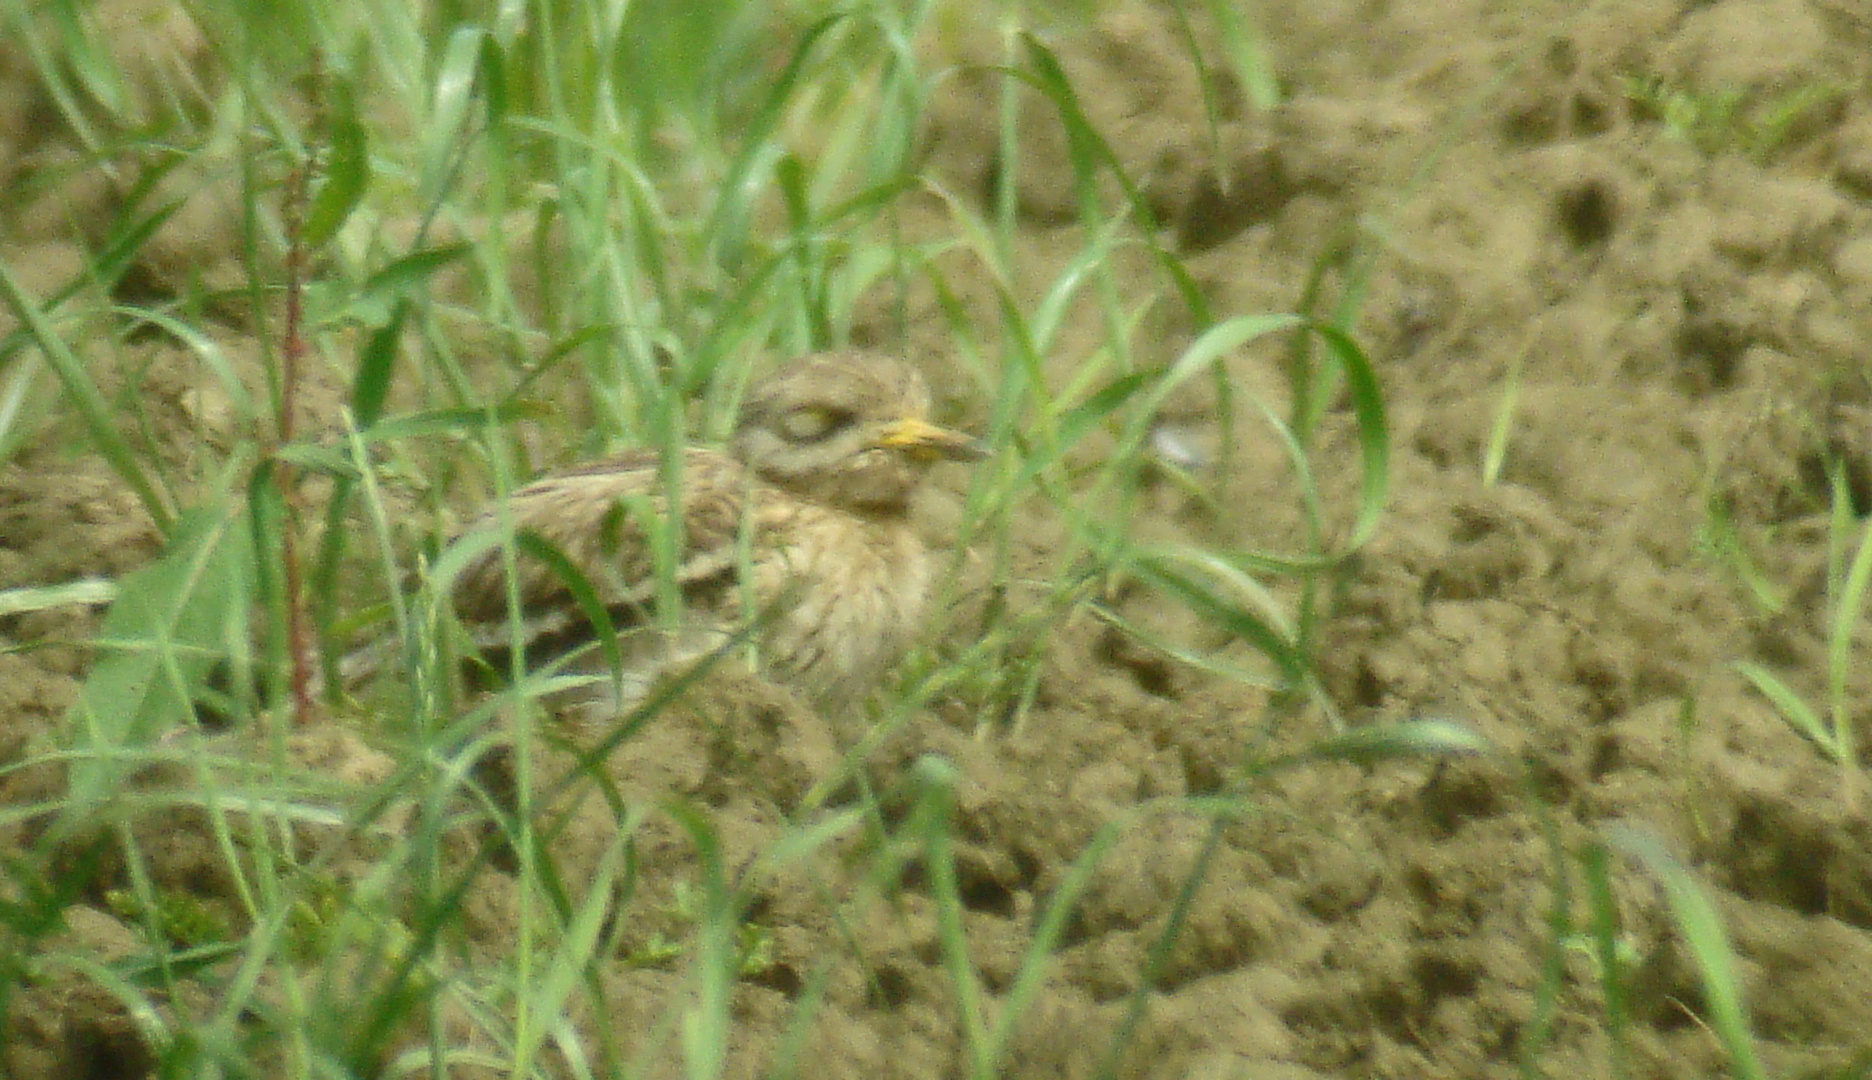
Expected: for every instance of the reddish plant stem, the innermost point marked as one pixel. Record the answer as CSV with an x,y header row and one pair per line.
x,y
292,352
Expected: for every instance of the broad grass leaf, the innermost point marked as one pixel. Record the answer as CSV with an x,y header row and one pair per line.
x,y
347,169
171,622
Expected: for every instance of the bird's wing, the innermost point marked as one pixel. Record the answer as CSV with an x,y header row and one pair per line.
x,y
602,517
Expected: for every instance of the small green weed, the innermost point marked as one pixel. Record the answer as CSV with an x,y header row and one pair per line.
x,y
753,948
1830,725
182,920
1726,120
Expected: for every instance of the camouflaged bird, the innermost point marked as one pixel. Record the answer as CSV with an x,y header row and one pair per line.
x,y
810,502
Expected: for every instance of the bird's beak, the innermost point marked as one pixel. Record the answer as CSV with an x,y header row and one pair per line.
x,y
922,439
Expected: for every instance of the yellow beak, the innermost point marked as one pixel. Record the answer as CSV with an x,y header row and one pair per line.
x,y
922,439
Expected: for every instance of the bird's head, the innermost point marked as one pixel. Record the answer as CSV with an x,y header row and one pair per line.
x,y
850,429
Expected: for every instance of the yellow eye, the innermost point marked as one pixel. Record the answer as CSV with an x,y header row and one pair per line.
x,y
810,423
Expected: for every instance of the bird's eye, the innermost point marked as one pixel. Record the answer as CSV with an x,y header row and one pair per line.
x,y
810,423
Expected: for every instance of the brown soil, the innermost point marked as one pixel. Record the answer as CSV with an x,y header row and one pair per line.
x,y
1689,322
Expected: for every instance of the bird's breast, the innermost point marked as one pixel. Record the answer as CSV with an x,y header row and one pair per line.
x,y
849,594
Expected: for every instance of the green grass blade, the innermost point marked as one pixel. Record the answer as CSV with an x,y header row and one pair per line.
x,y
90,402
1261,634
1371,744
124,243
1703,933
1215,343
1847,610
584,593
573,957
727,226
1721,540
1086,148
1607,951
1368,409
406,273
1245,46
370,387
935,822
1538,1031
706,1023
470,52
82,593
1791,706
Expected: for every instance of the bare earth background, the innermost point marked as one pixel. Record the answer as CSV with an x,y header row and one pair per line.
x,y
1691,323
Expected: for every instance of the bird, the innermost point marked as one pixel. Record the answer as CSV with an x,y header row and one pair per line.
x,y
796,535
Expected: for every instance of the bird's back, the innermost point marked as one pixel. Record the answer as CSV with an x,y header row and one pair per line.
x,y
607,519
837,595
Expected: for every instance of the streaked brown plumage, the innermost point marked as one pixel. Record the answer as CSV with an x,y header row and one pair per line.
x,y
811,497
